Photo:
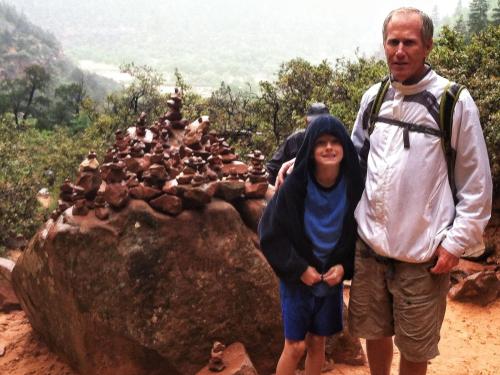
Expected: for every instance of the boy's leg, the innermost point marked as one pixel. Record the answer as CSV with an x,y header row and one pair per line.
x,y
290,357
315,354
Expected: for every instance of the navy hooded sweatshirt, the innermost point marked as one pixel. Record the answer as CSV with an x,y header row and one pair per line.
x,y
283,239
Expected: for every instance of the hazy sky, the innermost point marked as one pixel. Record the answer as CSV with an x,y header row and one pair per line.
x,y
273,30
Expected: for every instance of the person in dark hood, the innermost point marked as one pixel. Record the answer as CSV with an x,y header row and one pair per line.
x,y
307,234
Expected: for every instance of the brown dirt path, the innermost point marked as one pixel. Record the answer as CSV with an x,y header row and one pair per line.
x,y
470,345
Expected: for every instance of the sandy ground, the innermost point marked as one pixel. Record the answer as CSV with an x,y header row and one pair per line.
x,y
470,345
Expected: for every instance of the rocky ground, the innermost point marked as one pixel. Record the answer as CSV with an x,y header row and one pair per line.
x,y
470,345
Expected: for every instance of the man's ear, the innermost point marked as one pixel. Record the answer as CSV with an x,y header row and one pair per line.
x,y
428,47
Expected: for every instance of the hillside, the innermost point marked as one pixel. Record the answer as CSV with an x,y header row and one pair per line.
x,y
217,40
23,44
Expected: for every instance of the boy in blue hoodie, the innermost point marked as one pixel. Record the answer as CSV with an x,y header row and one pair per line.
x,y
307,234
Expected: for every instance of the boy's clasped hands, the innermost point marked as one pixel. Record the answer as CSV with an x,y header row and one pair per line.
x,y
332,277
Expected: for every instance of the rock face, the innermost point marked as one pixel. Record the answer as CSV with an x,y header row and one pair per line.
x,y
481,288
147,293
8,299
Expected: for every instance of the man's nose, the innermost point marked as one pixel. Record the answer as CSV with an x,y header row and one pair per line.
x,y
400,50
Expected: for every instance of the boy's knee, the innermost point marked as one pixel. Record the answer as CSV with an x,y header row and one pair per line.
x,y
295,349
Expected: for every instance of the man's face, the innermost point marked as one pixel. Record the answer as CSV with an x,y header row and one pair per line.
x,y
405,50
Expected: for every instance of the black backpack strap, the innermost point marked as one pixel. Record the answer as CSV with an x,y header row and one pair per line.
x,y
446,107
377,103
409,127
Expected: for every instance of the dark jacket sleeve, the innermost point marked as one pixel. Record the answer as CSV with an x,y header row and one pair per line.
x,y
277,248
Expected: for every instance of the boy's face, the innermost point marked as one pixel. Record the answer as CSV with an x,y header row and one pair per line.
x,y
328,151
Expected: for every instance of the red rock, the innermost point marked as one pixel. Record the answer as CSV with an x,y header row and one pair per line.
x,y
144,192
257,190
195,197
102,213
251,211
8,299
80,208
237,362
239,168
171,187
148,293
481,288
116,195
230,190
137,165
166,203
344,348
90,182
467,267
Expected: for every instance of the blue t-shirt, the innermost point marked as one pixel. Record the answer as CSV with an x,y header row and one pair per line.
x,y
324,212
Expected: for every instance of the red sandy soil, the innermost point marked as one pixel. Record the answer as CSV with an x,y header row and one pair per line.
x,y
470,345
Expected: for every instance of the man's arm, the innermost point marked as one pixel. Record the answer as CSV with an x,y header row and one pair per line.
x,y
273,165
360,137
285,170
472,179
285,152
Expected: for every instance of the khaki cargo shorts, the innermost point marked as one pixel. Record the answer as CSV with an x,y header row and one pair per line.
x,y
390,297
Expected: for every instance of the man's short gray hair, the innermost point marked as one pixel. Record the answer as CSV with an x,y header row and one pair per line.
x,y
427,26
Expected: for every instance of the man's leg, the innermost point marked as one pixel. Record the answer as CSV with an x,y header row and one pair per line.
x,y
379,353
419,308
315,354
290,357
412,368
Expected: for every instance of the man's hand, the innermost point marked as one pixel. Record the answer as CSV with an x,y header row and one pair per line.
x,y
334,275
310,276
286,168
446,261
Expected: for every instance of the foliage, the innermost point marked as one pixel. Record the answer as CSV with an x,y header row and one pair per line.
x,y
475,65
478,16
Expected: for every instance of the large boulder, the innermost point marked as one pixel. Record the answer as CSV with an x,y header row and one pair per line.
x,y
146,293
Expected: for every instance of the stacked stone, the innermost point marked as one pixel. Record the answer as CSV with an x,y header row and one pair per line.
x,y
65,198
173,117
171,165
256,185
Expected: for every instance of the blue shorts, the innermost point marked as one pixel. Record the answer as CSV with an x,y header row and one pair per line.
x,y
303,312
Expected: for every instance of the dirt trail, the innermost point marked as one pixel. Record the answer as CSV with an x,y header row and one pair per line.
x,y
470,345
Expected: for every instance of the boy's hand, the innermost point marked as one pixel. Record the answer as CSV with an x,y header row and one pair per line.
x,y
286,168
334,275
310,276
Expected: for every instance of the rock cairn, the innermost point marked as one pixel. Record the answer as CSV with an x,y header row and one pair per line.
x,y
172,165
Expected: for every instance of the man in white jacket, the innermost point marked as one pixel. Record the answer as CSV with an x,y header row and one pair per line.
x,y
411,231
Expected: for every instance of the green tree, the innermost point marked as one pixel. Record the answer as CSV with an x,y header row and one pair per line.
x,y
478,16
142,94
23,96
68,103
461,26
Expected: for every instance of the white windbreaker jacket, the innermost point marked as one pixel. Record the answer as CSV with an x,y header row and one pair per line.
x,y
407,207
